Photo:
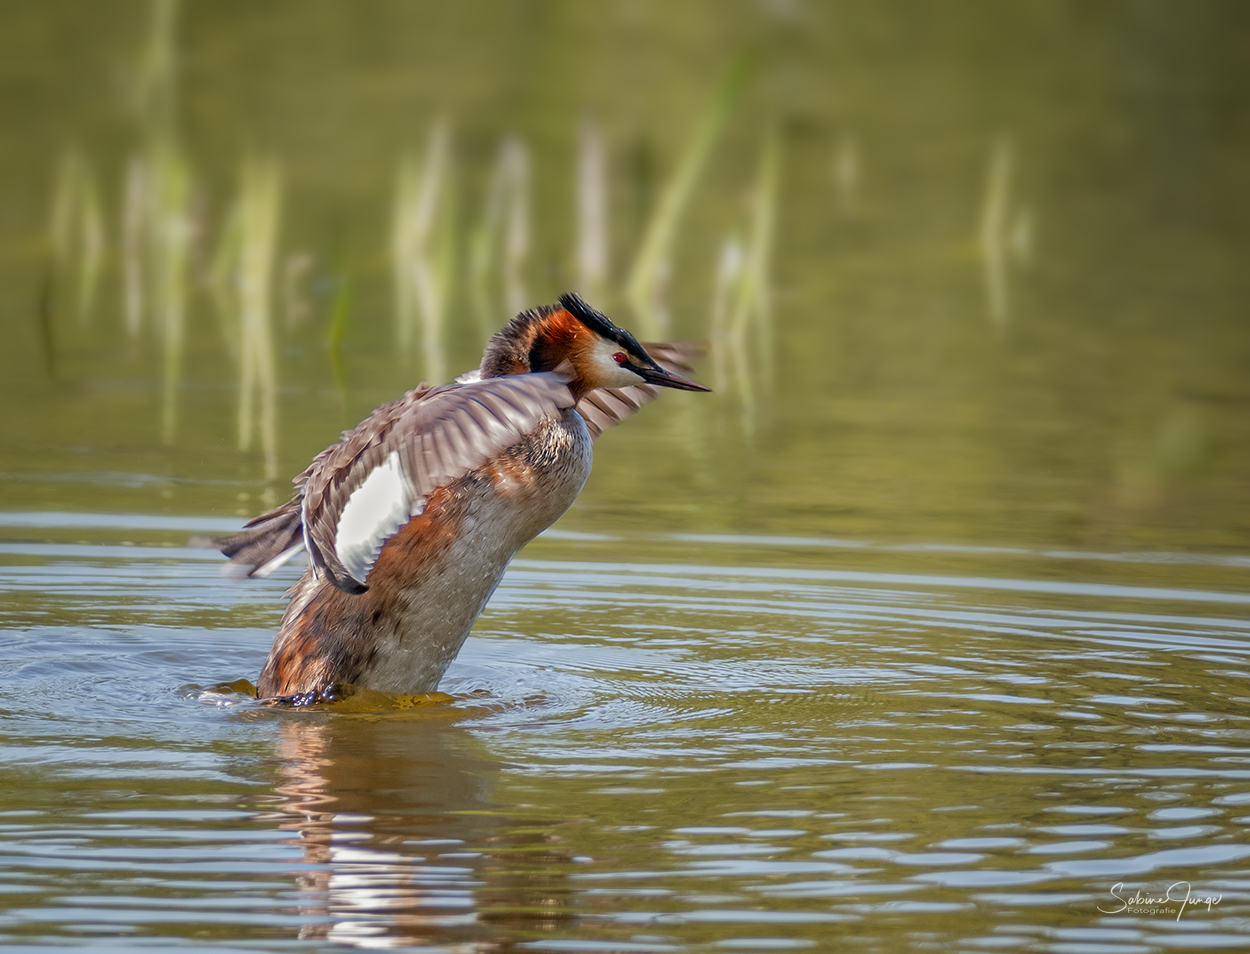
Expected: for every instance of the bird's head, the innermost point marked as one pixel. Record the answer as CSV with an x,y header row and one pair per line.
x,y
577,340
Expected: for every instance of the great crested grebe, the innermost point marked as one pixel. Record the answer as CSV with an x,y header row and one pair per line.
x,y
411,519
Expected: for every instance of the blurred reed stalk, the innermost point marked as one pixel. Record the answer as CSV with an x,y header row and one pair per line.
x,y
155,86
500,242
154,172
646,287
1020,237
730,301
295,273
755,301
846,171
76,235
168,233
259,209
725,287
516,237
423,249
592,213
223,278
340,318
993,232
135,215
742,331
242,282
484,248
157,225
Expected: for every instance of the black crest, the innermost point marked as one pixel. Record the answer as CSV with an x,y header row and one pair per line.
x,y
602,325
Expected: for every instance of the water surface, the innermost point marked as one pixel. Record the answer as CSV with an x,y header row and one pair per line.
x,y
779,759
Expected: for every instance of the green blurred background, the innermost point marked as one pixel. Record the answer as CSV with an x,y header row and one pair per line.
x,y
971,273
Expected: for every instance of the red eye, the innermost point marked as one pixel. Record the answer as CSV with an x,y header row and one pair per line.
x,y
619,357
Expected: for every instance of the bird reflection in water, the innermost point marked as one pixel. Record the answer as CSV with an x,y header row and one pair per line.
x,y
395,817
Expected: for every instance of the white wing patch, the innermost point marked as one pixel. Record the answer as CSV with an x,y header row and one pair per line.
x,y
373,513
364,489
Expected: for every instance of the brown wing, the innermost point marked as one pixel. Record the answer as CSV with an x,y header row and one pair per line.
x,y
266,540
404,452
605,407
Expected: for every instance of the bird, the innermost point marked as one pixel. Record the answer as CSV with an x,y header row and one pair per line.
x,y
411,519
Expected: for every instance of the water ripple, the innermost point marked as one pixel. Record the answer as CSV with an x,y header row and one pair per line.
x,y
643,751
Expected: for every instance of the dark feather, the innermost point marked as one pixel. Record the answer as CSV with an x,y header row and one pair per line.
x,y
264,538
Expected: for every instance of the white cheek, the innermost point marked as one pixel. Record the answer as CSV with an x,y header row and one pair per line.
x,y
622,378
609,374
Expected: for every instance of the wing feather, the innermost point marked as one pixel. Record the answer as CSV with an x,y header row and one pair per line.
x,y
439,433
264,538
436,435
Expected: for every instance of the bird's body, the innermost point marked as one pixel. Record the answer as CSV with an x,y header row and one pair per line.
x,y
412,518
433,577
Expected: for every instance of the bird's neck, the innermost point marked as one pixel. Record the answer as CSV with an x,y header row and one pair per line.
x,y
545,339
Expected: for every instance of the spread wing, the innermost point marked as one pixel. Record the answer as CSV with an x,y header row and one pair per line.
x,y
358,493
604,407
405,450
369,485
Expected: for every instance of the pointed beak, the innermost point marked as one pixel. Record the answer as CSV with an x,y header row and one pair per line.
x,y
666,379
